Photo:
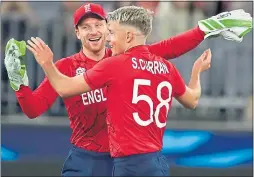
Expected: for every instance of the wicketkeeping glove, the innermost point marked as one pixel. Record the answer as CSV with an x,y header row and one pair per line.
x,y
15,63
233,25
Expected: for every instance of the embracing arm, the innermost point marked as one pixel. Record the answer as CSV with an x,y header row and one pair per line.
x,y
65,86
97,77
214,26
178,45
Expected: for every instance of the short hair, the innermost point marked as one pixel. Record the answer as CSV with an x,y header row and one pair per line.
x,y
137,17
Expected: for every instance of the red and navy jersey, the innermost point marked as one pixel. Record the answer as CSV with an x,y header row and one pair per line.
x,y
140,87
87,112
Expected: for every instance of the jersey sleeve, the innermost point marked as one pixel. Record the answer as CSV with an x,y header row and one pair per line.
x,y
179,86
178,45
101,75
34,103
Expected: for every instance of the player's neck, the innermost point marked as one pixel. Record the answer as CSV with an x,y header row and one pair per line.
x,y
97,56
136,43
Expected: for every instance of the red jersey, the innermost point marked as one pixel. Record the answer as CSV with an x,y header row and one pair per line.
x,y
87,112
140,87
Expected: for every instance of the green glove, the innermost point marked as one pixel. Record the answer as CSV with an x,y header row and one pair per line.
x,y
233,25
15,63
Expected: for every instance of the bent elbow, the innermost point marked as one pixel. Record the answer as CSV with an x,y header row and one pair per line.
x,y
31,111
192,105
195,104
32,115
63,94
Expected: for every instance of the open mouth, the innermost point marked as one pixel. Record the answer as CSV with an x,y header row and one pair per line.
x,y
94,39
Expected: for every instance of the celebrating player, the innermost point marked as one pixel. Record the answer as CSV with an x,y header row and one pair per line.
x,y
87,112
140,87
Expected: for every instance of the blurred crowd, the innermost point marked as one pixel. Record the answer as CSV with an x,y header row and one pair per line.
x,y
179,15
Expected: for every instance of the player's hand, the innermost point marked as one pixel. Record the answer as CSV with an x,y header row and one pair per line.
x,y
203,62
15,65
233,25
40,50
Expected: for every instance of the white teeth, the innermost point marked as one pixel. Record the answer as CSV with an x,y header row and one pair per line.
x,y
94,39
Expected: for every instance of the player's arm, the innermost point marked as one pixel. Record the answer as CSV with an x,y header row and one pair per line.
x,y
35,103
189,99
178,45
231,25
67,86
97,77
192,93
32,103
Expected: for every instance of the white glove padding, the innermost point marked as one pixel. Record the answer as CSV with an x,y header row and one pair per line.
x,y
237,22
228,35
15,63
235,34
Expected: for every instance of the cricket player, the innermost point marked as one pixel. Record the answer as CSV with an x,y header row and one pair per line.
x,y
139,86
87,112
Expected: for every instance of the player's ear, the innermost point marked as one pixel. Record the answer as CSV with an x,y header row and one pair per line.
x,y
129,37
77,33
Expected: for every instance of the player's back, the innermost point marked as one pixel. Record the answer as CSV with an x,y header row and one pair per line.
x,y
138,102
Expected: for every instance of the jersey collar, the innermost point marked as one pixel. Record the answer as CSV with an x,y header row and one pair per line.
x,y
138,48
83,57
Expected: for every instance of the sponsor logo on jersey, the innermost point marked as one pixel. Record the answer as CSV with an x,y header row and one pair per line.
x,y
80,71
